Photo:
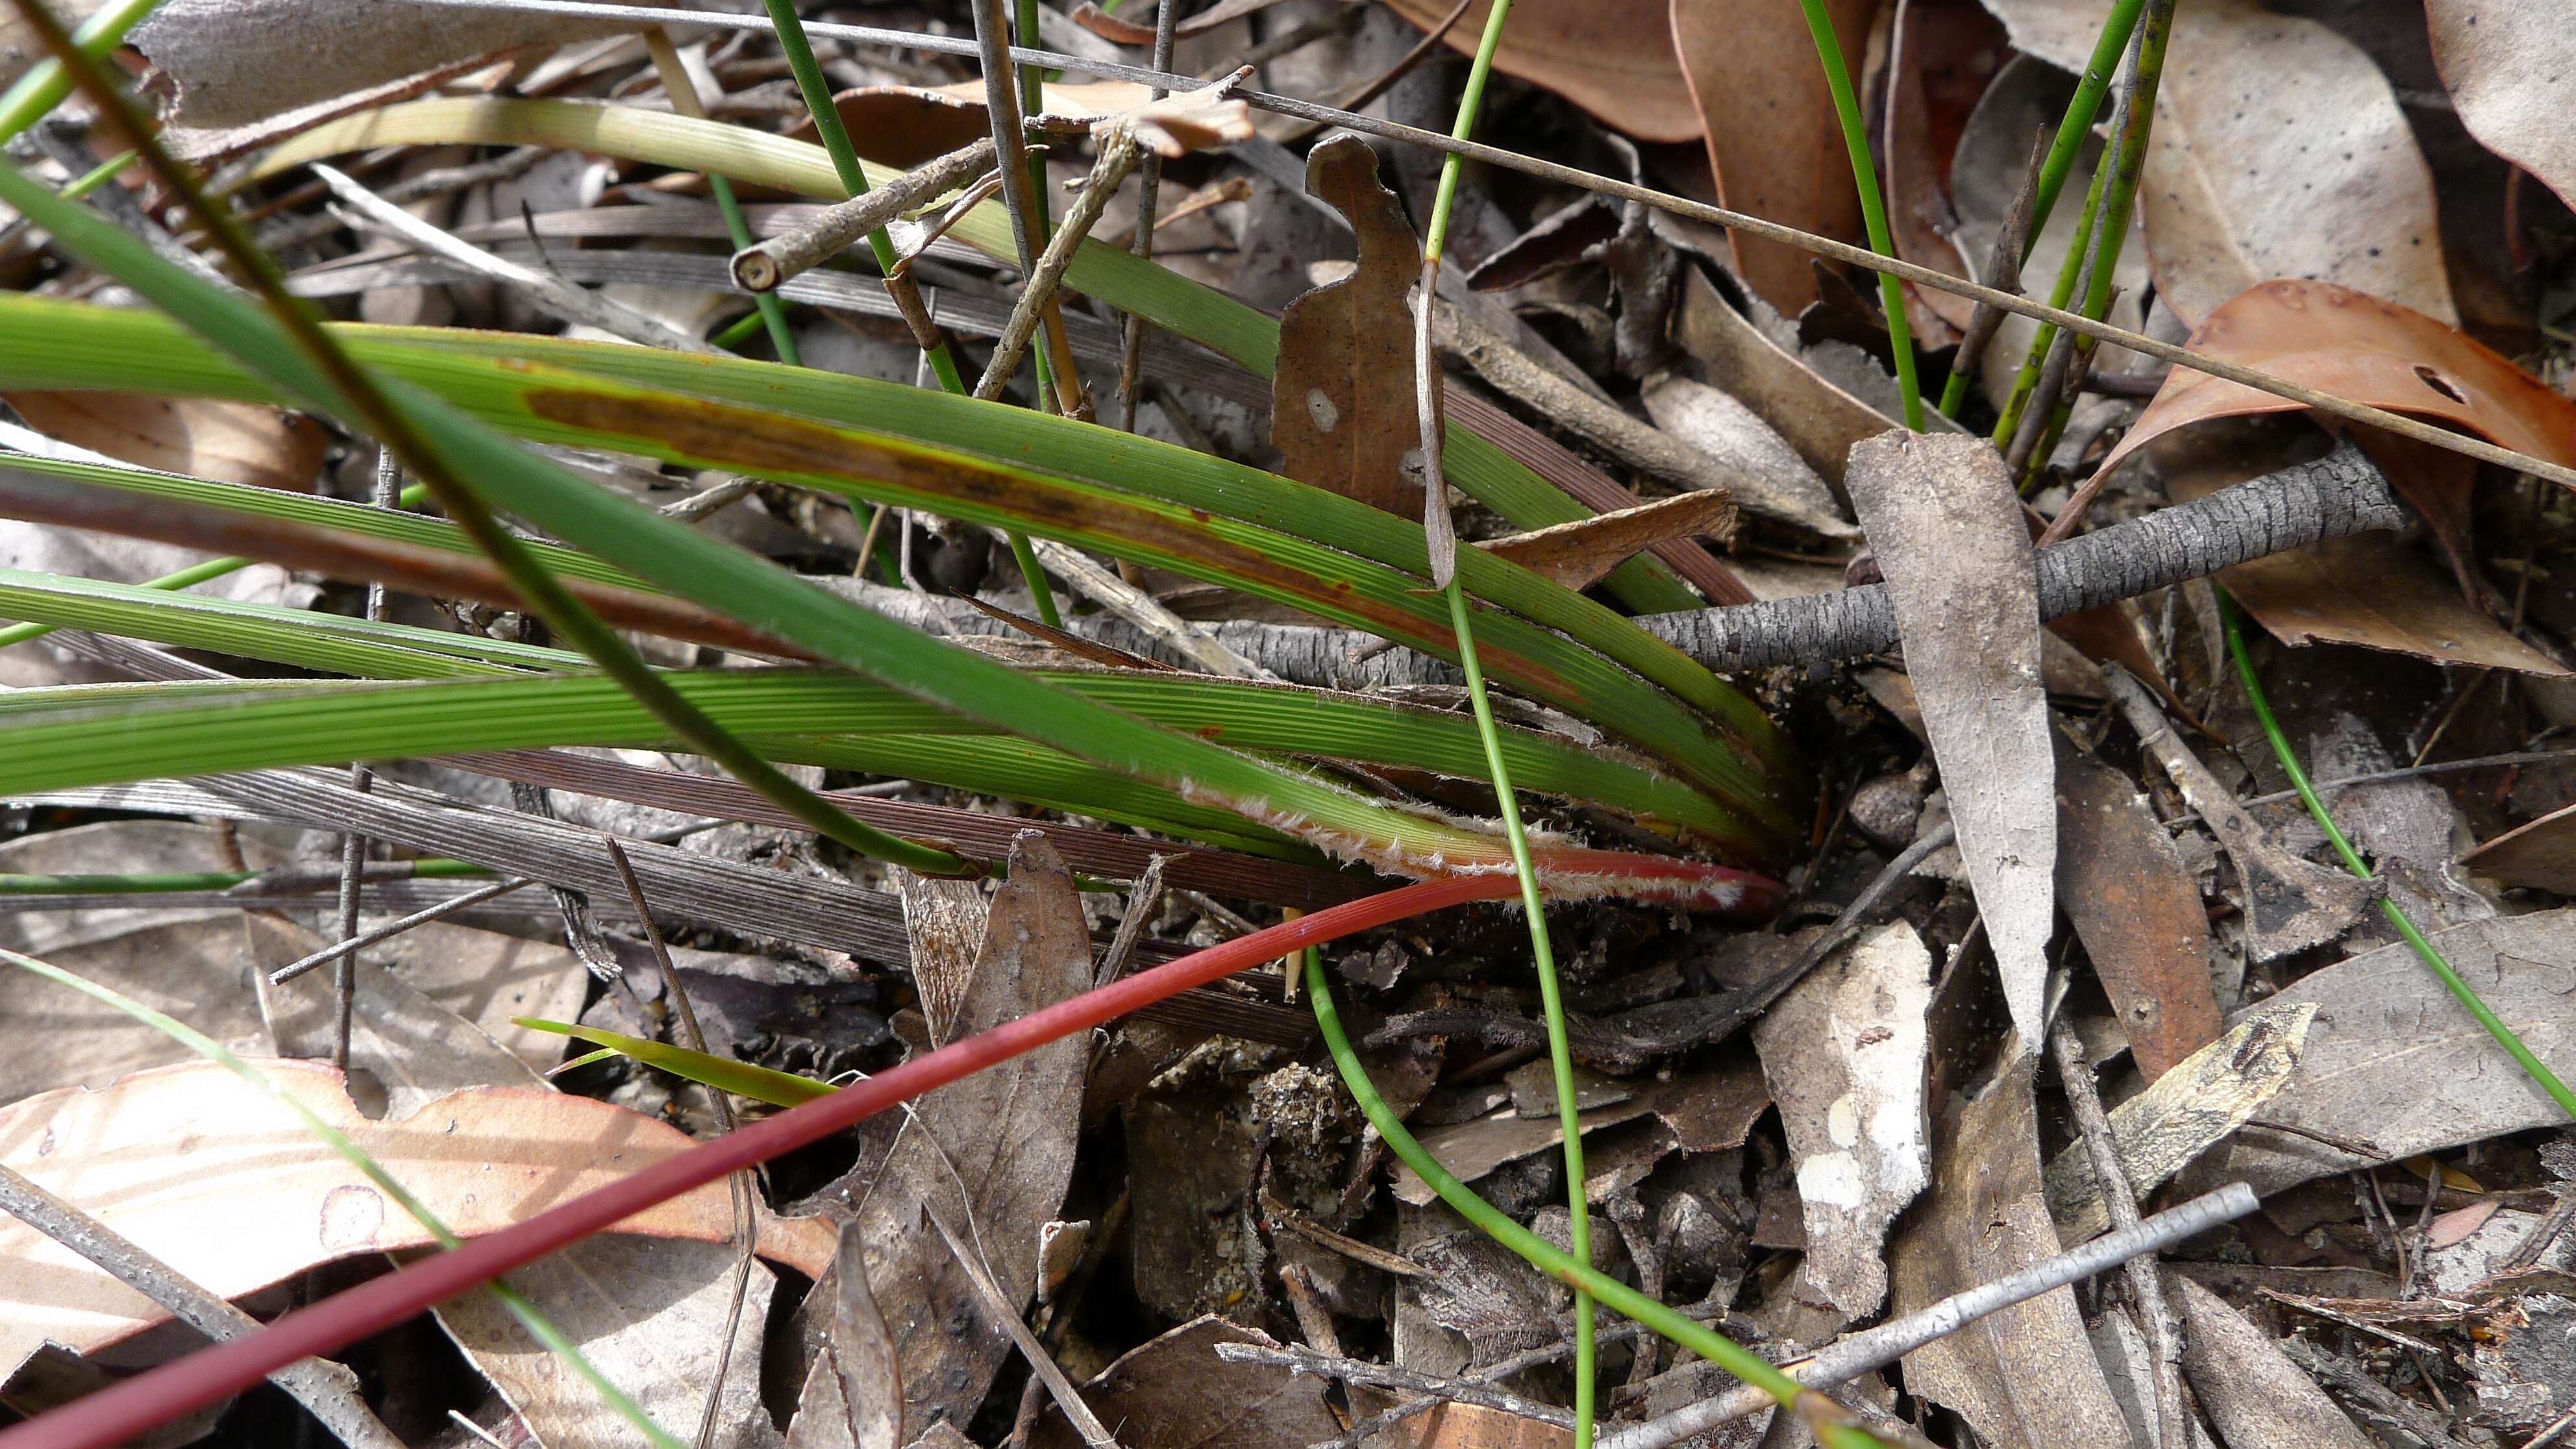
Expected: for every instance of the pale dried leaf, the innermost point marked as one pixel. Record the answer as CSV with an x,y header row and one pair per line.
x,y
1714,423
1342,406
234,61
405,1050
2394,1067
1844,1052
853,1394
992,1153
2251,1390
650,1315
257,1198
2024,1377
2513,80
2187,1111
1815,416
1582,553
1946,526
943,920
1206,119
2278,150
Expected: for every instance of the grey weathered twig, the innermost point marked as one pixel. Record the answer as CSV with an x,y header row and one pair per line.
x,y
562,299
353,846
1387,1376
2339,494
1143,610
2003,262
1849,1357
1118,155
1007,1314
328,1390
760,268
2120,1200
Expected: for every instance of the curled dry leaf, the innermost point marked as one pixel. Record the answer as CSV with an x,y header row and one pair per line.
x,y
1769,477
1342,412
257,1198
1947,529
1613,58
2136,909
1582,553
1175,1393
2278,150
230,442
2512,77
1844,1052
2024,1377
2393,1066
1816,417
2185,1112
1200,120
2364,348
1773,136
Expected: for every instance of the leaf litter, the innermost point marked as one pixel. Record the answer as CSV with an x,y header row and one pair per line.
x,y
1105,1214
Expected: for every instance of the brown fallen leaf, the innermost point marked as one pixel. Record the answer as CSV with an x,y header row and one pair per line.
x,y
257,1198
1772,133
1175,1393
1764,474
992,1153
229,442
1342,412
2372,591
2134,905
1582,553
1844,1053
2278,150
853,1395
1613,58
1458,1426
2251,1390
2358,346
1947,529
1709,1110
2023,1378
2393,1066
2538,856
2185,1112
2511,80
943,921
1941,54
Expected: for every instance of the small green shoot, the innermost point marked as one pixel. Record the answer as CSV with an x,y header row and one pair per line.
x,y
1873,208
778,1089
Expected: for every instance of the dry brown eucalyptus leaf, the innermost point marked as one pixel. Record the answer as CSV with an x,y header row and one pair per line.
x,y
1946,526
1175,1393
258,1198
2137,910
2025,1377
1342,412
2278,150
1818,418
1582,553
1613,58
230,442
2253,1393
991,1154
2512,77
853,1394
1773,136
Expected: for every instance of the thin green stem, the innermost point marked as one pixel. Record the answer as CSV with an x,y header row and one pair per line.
x,y
2232,621
766,305
339,382
2069,144
98,175
854,180
1873,208
143,883
530,1317
1835,1431
45,84
1542,953
1551,1002
189,577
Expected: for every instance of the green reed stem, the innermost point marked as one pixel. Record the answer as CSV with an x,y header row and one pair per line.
x,y
1873,208
1834,1431
2232,620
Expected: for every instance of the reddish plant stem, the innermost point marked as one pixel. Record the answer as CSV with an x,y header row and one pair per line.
x,y
130,1408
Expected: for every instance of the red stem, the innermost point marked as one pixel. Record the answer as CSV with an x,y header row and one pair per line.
x,y
136,1405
